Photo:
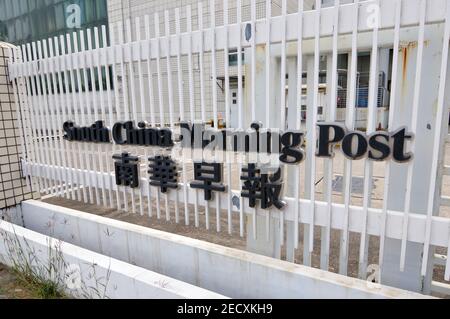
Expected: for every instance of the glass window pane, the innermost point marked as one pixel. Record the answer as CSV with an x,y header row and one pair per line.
x,y
60,17
31,4
89,7
26,29
3,31
23,6
16,8
51,25
2,10
101,9
36,26
11,32
41,3
18,29
9,9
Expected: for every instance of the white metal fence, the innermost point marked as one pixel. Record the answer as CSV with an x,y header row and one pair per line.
x,y
150,74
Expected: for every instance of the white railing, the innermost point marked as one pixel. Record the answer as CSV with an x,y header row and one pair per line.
x,y
165,77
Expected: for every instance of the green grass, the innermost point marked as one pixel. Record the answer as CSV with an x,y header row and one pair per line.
x,y
38,287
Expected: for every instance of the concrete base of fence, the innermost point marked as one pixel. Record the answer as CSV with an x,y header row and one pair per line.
x,y
231,272
86,274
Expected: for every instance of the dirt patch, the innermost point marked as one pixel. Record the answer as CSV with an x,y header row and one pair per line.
x,y
11,288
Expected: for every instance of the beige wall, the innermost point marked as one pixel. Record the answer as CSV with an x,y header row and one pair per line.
x,y
13,188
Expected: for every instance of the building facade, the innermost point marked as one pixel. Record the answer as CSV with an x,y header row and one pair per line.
x,y
24,21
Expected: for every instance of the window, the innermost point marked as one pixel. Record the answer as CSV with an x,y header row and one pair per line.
x,y
101,10
31,5
51,25
8,8
18,29
16,8
60,17
89,7
2,10
11,32
23,5
26,28
33,20
233,57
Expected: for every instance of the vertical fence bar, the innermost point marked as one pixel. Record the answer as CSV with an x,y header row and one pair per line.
x,y
171,104
160,97
61,117
192,97
253,91
182,113
132,86
202,86
325,254
137,25
240,107
268,45
43,85
116,99
350,124
110,110
415,123
82,120
103,150
126,109
268,86
212,13
93,112
51,119
368,166
152,106
20,54
283,97
392,106
71,71
227,112
39,91
98,112
299,121
314,121
441,122
121,44
70,159
158,65
35,84
87,120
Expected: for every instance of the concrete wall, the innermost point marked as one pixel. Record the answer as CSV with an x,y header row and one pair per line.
x,y
84,273
227,271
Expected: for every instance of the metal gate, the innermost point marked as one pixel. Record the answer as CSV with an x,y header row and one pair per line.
x,y
163,71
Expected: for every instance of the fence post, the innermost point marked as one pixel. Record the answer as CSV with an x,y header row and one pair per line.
x,y
264,244
391,275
